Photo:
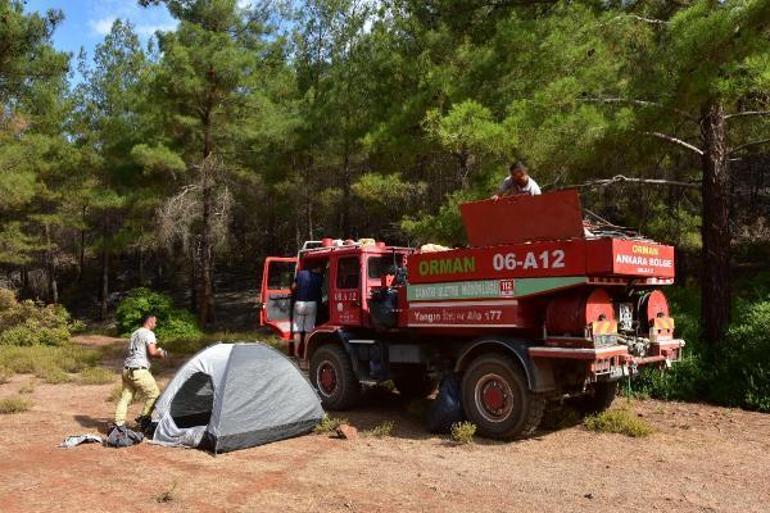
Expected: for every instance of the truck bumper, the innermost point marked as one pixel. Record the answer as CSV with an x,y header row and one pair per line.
x,y
614,362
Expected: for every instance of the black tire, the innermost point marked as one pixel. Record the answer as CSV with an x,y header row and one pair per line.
x,y
497,379
414,385
331,373
599,398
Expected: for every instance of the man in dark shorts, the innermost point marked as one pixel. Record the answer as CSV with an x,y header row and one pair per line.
x,y
307,290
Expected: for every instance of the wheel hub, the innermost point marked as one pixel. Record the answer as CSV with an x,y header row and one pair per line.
x,y
326,378
494,398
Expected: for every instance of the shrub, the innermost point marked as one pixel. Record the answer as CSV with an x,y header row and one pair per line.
x,y
742,364
329,425
13,405
620,421
687,380
52,374
27,323
96,376
382,430
463,432
43,360
173,324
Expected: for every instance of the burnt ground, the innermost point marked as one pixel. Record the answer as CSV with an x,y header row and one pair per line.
x,y
701,459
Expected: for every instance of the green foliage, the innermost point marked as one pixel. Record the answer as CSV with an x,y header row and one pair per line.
x,y
46,361
96,376
382,430
329,425
158,159
463,432
735,373
619,420
26,323
444,227
11,405
173,324
742,372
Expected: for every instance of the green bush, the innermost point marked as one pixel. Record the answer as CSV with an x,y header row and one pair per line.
x,y
96,376
13,405
28,323
620,421
382,430
463,432
742,364
49,363
173,324
329,425
5,375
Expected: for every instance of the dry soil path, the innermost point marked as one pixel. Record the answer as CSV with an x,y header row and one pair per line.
x,y
702,459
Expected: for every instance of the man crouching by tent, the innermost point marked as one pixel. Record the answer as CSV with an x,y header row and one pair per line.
x,y
136,372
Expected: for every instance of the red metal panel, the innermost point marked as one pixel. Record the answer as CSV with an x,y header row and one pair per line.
x,y
630,258
554,215
466,314
535,260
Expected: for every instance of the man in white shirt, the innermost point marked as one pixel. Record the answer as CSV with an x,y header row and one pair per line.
x,y
136,372
518,183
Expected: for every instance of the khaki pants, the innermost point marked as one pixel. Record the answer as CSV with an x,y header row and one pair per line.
x,y
141,381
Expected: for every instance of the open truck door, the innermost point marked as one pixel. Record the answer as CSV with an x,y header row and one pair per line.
x,y
277,278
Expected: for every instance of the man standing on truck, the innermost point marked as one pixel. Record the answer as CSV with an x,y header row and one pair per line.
x,y
518,183
307,290
136,372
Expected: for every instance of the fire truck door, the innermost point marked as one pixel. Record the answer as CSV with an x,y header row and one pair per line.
x,y
345,302
277,278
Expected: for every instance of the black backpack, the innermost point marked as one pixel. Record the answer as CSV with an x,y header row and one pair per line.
x,y
121,436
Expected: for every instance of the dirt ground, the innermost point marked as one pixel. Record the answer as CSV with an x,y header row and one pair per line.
x,y
701,459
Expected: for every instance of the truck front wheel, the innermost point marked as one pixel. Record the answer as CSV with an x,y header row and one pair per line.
x,y
496,398
331,373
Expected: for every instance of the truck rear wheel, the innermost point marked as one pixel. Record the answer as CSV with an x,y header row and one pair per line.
x,y
497,399
331,373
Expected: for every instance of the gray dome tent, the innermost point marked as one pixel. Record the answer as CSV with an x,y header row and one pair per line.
x,y
234,396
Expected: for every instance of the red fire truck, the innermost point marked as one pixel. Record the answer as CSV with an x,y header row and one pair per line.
x,y
542,305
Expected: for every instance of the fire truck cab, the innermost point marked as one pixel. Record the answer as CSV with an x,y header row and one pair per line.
x,y
528,313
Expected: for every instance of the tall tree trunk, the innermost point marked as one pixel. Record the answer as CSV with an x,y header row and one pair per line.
x,y
715,230
206,289
141,266
82,256
206,300
104,285
50,262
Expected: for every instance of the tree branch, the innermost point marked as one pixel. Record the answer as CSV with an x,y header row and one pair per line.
x,y
676,141
748,113
642,103
748,145
620,178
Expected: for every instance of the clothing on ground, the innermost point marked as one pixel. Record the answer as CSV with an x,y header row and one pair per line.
x,y
74,440
136,381
137,348
121,436
510,187
304,316
309,285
